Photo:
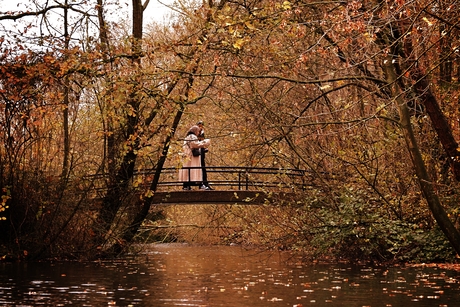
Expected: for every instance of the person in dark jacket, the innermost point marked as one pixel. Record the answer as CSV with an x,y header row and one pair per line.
x,y
205,185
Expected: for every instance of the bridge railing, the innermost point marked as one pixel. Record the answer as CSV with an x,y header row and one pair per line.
x,y
241,178
227,177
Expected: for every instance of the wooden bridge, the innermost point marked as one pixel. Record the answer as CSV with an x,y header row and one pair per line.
x,y
241,185
220,197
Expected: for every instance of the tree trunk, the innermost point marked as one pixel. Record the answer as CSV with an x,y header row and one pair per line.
x,y
119,179
438,120
426,185
65,124
129,234
109,135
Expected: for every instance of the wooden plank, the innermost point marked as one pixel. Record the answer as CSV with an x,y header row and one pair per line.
x,y
216,197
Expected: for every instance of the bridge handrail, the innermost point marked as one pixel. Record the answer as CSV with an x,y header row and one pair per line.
x,y
241,179
249,169
243,173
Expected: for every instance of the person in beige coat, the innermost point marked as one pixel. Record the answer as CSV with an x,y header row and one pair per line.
x,y
192,176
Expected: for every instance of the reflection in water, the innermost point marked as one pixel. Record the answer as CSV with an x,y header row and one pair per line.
x,y
183,275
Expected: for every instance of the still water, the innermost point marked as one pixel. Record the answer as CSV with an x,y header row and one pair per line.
x,y
183,275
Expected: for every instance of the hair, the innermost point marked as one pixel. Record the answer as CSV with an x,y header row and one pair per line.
x,y
194,130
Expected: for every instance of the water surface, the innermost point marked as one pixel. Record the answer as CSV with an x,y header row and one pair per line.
x,y
183,275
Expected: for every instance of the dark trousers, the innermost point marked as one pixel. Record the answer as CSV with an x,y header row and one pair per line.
x,y
203,166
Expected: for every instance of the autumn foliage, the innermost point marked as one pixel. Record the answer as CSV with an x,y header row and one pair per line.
x,y
362,95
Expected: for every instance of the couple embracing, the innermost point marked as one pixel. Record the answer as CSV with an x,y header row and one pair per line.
x,y
193,171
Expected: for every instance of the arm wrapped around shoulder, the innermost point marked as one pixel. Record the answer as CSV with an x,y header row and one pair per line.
x,y
206,143
195,146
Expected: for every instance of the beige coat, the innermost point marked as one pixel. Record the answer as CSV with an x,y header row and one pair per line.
x,y
196,175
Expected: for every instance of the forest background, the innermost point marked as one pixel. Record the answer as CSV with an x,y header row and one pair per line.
x,y
363,95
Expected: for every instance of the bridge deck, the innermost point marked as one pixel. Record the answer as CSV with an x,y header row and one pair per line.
x,y
241,197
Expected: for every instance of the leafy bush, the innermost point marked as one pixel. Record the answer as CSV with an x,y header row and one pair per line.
x,y
356,230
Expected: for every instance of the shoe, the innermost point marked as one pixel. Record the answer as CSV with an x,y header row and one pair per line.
x,y
205,187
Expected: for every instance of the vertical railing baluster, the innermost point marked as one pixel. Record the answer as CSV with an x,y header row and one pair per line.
x,y
247,179
239,180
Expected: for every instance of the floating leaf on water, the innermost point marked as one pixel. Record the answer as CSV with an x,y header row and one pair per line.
x,y
275,299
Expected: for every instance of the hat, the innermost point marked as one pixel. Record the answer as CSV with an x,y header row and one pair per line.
x,y
194,129
200,123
